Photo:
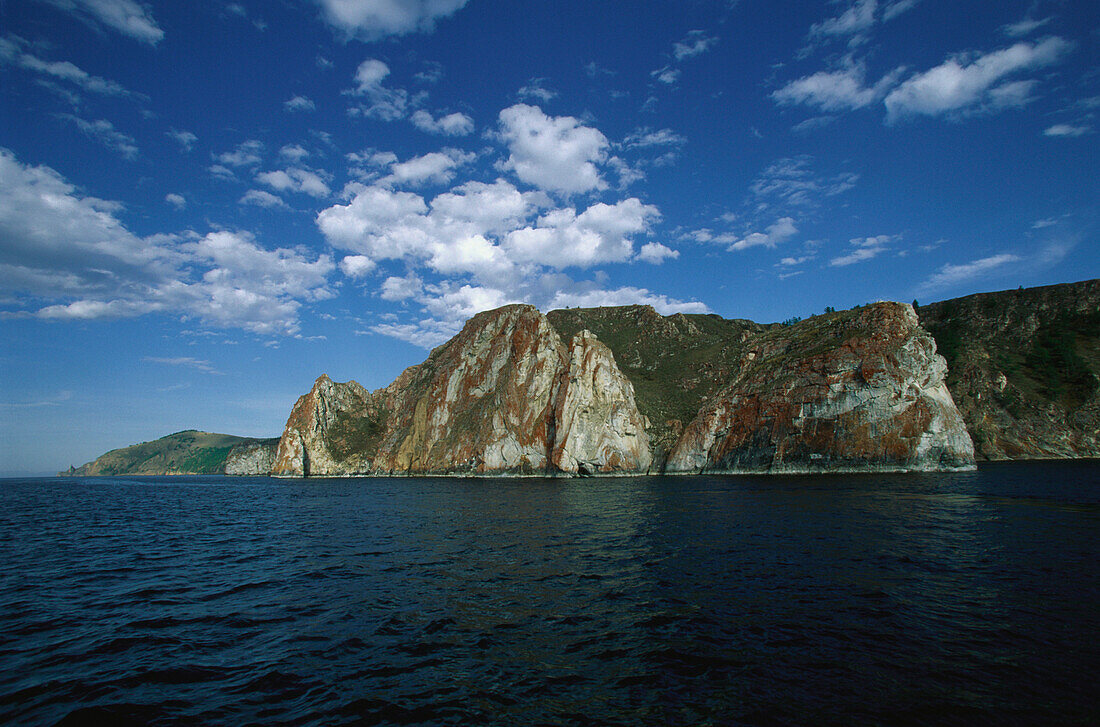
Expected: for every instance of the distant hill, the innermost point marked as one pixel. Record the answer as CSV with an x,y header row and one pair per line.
x,y
188,452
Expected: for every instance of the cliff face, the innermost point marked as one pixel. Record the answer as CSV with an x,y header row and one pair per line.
x,y
1024,367
252,458
506,395
862,391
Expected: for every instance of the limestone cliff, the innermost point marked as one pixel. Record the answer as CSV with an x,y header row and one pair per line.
x,y
1024,368
859,390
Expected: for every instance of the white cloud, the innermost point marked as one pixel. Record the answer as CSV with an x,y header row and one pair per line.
x,y
184,138
124,16
896,8
370,20
398,289
299,103
386,104
1024,27
950,275
1064,130
695,43
293,153
106,134
863,248
72,252
780,231
647,137
176,200
556,154
656,253
534,90
262,198
246,154
836,90
666,75
859,17
456,124
295,179
601,234
969,82
432,168
62,70
356,266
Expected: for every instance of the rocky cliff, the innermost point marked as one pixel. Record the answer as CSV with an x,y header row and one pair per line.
x,y
505,396
859,389
1024,367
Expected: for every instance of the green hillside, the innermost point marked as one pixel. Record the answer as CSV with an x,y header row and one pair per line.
x,y
184,453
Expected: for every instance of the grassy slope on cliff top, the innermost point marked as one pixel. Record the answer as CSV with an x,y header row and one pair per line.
x,y
188,452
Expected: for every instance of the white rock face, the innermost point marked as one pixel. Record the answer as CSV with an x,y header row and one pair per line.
x,y
598,426
251,459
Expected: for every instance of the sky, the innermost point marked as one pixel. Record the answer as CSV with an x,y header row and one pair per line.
x,y
205,205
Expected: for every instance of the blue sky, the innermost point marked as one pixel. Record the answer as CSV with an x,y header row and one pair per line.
x,y
205,205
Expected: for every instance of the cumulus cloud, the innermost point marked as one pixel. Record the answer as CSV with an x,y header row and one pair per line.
x,y
553,153
973,82
666,75
246,154
601,234
299,103
456,124
780,231
295,179
863,249
381,102
431,168
123,16
262,198
176,200
370,20
72,252
627,295
655,253
951,275
356,266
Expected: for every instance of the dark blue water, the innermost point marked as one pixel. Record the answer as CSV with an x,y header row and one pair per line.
x,y
877,599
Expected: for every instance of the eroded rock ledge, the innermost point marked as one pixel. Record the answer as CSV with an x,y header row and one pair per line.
x,y
856,390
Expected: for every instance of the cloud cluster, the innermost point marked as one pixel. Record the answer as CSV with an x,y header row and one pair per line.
x,y
863,249
964,83
478,244
74,259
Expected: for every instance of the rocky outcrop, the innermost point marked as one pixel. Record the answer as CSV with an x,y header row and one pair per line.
x,y
860,390
315,439
504,396
1024,368
597,424
252,458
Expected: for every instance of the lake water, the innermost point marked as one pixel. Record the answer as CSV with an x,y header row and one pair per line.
x,y
970,598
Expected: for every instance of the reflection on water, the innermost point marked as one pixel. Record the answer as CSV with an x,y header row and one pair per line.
x,y
890,599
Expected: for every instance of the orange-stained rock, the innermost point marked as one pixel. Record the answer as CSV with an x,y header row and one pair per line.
x,y
863,390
